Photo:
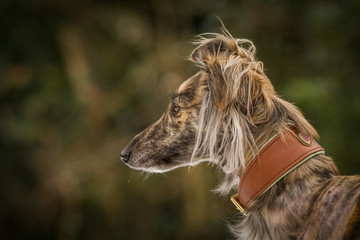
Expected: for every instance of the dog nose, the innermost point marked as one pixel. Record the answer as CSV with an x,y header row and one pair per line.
x,y
125,155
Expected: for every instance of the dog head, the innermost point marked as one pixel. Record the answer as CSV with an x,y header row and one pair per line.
x,y
211,114
169,142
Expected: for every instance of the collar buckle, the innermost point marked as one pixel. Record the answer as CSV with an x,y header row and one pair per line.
x,y
238,205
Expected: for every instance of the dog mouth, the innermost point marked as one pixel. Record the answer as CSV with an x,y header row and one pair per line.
x,y
166,160
169,159
139,161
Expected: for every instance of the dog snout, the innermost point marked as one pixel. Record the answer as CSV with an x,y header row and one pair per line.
x,y
125,155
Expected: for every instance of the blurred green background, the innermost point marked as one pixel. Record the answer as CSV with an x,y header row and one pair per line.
x,y
78,79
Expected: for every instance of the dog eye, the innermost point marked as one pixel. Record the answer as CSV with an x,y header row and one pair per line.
x,y
175,108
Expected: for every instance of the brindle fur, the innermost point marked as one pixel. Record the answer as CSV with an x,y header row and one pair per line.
x,y
223,114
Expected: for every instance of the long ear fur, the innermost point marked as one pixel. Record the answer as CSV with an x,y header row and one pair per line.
x,y
240,98
225,116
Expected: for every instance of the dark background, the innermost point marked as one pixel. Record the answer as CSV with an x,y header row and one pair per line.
x,y
78,79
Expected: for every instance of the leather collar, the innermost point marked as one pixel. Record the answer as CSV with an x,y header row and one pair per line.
x,y
279,156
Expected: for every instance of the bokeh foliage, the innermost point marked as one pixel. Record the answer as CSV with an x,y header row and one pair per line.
x,y
80,78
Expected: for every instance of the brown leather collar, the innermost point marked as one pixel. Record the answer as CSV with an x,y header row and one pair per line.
x,y
278,157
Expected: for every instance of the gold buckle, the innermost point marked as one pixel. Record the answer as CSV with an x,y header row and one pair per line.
x,y
238,205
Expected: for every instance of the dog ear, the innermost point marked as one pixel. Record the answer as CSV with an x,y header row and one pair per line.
x,y
210,56
217,86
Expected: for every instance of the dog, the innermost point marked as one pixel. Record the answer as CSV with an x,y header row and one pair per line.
x,y
229,114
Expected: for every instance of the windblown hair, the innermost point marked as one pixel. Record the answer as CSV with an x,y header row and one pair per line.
x,y
239,104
